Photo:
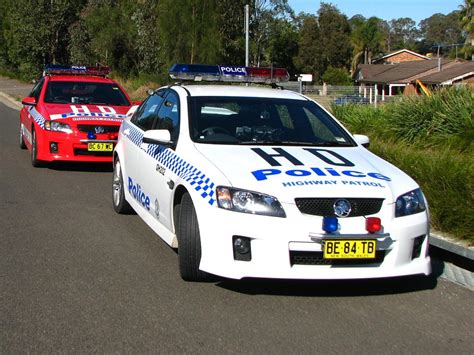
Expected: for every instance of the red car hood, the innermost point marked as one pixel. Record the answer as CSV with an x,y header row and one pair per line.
x,y
86,112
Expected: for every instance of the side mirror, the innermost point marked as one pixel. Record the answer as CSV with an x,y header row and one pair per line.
x,y
136,103
158,136
362,140
30,101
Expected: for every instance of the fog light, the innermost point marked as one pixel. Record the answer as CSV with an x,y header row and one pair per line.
x,y
53,147
373,224
330,224
242,248
417,243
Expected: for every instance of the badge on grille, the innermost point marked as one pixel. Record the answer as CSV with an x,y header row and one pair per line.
x,y
99,129
342,208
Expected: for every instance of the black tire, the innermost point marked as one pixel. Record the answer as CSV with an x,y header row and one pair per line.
x,y
34,151
118,195
189,242
22,140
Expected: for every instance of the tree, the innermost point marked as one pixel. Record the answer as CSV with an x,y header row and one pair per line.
x,y
309,57
264,14
367,38
403,33
337,76
467,24
79,47
148,45
283,45
115,44
438,30
335,37
231,29
33,39
189,31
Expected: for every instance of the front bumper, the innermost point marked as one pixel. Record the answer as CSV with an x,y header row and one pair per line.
x,y
72,147
292,247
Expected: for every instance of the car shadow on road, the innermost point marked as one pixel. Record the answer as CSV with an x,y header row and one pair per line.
x,y
331,288
336,288
81,166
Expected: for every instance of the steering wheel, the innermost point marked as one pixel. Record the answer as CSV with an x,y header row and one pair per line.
x,y
214,130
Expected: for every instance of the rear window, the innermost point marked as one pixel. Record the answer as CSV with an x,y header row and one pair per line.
x,y
74,92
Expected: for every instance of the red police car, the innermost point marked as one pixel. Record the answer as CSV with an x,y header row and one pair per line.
x,y
73,114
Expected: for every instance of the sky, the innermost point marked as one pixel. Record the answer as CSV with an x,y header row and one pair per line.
x,y
388,10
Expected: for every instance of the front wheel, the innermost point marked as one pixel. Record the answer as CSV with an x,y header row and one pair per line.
x,y
34,151
118,196
22,140
189,242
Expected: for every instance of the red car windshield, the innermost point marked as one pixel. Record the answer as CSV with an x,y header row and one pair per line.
x,y
75,92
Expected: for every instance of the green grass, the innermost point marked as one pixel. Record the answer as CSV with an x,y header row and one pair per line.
x,y
431,139
447,180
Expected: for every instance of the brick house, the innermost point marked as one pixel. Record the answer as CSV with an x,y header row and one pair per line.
x,y
390,79
400,56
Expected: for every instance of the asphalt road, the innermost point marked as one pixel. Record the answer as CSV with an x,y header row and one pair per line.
x,y
76,277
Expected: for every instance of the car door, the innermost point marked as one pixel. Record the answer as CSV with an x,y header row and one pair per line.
x,y
159,178
26,118
135,151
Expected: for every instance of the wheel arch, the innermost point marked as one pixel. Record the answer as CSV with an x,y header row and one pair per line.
x,y
178,195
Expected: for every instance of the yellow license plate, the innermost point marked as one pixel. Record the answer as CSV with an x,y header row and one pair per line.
x,y
100,147
349,249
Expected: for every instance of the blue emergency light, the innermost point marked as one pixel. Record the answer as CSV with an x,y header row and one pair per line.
x,y
330,224
76,70
227,73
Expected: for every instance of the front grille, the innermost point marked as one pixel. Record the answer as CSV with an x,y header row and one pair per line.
x,y
325,206
316,258
81,151
91,128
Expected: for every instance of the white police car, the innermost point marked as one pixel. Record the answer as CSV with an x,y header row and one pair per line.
x,y
251,181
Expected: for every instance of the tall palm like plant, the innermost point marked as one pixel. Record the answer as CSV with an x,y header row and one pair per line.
x,y
367,39
467,23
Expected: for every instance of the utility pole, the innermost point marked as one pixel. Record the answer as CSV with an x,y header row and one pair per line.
x,y
247,10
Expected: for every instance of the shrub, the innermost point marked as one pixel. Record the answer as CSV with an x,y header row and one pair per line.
x,y
337,76
430,138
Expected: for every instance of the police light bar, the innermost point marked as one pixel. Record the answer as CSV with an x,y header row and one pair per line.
x,y
199,72
76,70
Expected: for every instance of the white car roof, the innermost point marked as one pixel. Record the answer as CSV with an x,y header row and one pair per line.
x,y
242,91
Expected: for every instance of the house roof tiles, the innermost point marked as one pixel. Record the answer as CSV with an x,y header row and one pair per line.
x,y
406,72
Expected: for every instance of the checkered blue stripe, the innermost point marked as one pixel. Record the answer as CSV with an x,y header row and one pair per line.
x,y
166,157
37,117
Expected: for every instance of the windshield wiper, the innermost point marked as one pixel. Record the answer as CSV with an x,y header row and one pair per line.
x,y
333,144
298,143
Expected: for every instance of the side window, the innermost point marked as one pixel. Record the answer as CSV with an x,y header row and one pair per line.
x,y
168,116
36,91
148,112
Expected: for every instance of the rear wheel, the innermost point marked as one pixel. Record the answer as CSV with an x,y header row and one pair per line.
x,y
34,151
22,140
189,241
118,195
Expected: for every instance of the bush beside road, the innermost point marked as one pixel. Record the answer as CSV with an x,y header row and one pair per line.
x,y
432,139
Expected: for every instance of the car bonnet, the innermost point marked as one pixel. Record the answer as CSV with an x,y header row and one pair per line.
x,y
86,112
289,172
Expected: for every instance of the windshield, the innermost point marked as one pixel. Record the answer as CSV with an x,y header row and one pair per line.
x,y
260,121
75,92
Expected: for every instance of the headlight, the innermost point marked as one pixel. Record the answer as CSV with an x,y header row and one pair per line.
x,y
57,127
248,202
410,203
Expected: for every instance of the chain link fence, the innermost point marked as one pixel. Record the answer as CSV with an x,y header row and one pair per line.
x,y
328,95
